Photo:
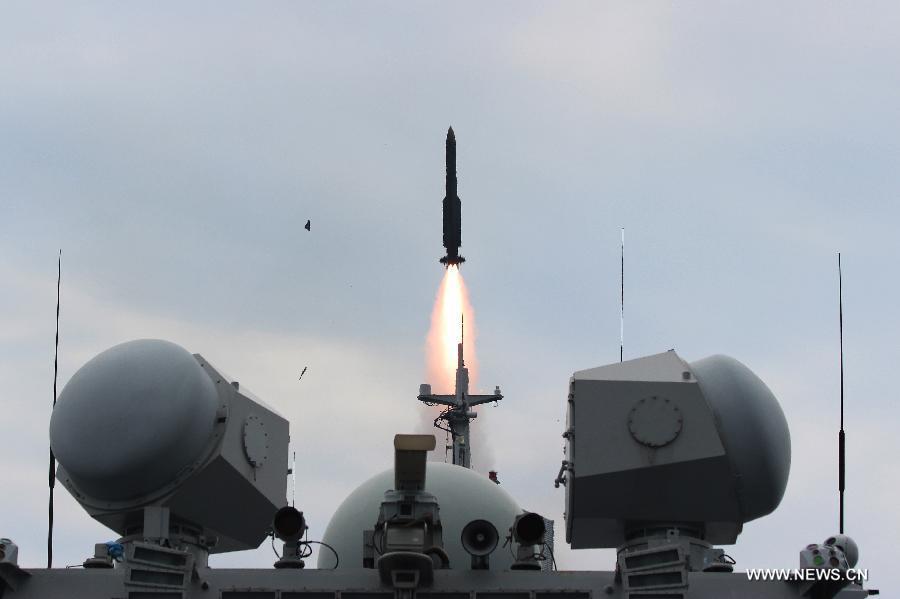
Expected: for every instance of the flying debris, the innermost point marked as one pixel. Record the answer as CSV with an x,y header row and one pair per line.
x,y
302,373
452,208
307,226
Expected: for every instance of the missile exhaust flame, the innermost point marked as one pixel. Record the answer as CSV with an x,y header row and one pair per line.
x,y
450,306
454,398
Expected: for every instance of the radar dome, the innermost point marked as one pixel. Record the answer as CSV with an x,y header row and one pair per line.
x,y
463,496
132,418
753,430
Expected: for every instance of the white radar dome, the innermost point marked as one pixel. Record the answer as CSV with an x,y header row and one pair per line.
x,y
463,495
132,418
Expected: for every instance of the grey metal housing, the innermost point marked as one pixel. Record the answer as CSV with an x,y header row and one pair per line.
x,y
657,442
147,424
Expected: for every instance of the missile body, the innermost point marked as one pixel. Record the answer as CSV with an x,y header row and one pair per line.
x,y
452,208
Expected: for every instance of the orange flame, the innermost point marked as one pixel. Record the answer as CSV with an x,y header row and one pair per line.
x,y
451,303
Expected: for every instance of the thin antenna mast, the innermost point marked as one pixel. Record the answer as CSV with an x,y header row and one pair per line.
x,y
622,300
293,470
841,458
294,480
53,457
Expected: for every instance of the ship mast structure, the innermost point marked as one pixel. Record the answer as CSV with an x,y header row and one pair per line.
x,y
457,414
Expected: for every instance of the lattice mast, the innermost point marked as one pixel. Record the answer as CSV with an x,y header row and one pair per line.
x,y
457,414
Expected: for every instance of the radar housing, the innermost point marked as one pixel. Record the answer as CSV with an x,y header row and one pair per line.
x,y
145,428
659,444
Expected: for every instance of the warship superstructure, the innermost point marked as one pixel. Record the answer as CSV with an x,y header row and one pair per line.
x,y
665,461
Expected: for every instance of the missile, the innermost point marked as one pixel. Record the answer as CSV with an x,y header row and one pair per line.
x,y
452,208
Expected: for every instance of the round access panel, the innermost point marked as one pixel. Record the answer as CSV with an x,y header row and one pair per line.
x,y
655,421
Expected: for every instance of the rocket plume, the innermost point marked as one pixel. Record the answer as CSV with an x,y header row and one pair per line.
x,y
450,306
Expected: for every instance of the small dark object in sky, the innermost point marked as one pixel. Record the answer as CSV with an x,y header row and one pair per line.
x,y
307,226
452,208
302,373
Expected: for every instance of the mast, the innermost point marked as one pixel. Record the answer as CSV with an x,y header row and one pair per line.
x,y
457,414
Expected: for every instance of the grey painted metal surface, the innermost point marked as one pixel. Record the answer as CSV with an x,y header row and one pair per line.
x,y
365,584
753,429
654,447
702,447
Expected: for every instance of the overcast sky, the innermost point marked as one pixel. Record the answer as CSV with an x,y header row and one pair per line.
x,y
174,154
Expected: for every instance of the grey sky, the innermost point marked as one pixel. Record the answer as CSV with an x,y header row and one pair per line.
x,y
175,153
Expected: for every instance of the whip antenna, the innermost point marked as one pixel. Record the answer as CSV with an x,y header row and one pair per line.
x,y
622,300
53,457
841,455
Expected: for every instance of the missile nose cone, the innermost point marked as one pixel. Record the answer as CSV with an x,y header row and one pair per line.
x,y
450,134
